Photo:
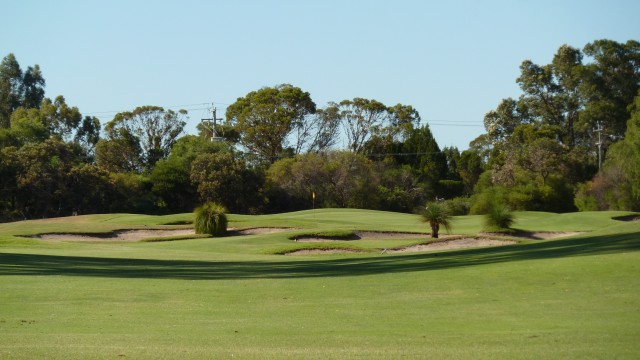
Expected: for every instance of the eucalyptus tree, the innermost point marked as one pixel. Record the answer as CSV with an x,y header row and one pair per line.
x,y
224,178
52,119
324,129
18,88
136,140
613,79
362,118
265,119
10,86
616,186
500,123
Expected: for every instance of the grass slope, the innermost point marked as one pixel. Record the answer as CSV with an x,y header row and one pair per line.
x,y
577,297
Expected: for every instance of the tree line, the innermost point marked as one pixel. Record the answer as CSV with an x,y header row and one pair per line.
x,y
569,142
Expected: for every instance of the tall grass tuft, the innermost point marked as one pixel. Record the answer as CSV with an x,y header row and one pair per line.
x,y
211,219
499,217
436,215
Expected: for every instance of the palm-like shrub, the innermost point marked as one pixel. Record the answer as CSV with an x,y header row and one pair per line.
x,y
499,217
437,215
211,219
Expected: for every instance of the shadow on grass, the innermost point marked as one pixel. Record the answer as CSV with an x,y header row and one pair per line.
x,y
30,264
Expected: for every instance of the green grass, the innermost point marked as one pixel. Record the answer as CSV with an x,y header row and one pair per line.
x,y
571,298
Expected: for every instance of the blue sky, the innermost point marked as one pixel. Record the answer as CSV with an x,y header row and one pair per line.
x,y
451,60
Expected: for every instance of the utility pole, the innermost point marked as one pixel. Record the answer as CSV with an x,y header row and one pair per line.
x,y
599,143
210,124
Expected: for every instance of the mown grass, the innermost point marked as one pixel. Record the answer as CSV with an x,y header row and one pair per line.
x,y
571,298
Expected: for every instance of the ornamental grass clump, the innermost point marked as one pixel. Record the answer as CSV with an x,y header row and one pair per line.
x,y
211,219
436,215
499,218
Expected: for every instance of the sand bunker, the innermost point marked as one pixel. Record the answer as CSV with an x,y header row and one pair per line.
x,y
137,235
120,235
463,243
258,231
542,235
457,243
363,235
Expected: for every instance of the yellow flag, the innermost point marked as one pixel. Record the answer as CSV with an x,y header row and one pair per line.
x,y
313,195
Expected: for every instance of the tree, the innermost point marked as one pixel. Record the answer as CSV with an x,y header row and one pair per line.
x,y
32,87
153,128
339,179
501,122
9,200
10,86
27,126
362,118
398,124
18,88
91,191
436,215
88,134
42,177
452,156
616,186
399,188
131,193
613,80
224,179
171,177
266,118
421,151
120,153
52,119
470,167
535,170
325,130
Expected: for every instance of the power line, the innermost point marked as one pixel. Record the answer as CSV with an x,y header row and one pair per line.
x,y
188,107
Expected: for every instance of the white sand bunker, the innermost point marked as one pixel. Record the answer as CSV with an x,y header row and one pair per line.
x,y
119,235
540,235
141,234
463,243
443,244
258,231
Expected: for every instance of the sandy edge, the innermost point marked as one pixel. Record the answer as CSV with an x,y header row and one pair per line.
x,y
140,234
462,243
458,243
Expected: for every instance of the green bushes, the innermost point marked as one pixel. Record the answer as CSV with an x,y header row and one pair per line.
x,y
211,219
458,206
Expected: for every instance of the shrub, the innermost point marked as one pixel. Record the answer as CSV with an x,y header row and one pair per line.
x,y
211,219
482,202
458,206
499,217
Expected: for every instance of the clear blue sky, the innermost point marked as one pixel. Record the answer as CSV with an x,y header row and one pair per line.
x,y
452,60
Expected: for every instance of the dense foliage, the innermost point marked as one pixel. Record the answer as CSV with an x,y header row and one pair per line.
x,y
570,141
